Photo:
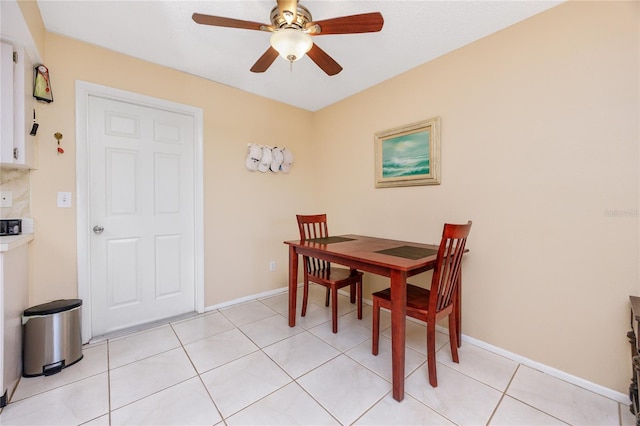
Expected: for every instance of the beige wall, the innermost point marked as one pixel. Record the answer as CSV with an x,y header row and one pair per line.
x,y
247,214
31,14
539,149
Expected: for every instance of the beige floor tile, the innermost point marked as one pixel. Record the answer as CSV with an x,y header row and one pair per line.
x,y
70,404
562,400
94,361
487,367
351,332
242,382
408,412
219,349
247,312
135,347
344,388
140,379
459,398
513,412
315,316
290,406
269,330
381,363
301,353
187,403
202,326
416,336
627,417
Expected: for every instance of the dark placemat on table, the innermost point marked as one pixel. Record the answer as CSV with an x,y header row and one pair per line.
x,y
409,252
329,240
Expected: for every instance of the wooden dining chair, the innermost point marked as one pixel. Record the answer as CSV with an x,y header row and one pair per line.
x,y
323,273
439,301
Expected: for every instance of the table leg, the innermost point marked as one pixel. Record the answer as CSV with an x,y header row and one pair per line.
x,y
398,327
293,285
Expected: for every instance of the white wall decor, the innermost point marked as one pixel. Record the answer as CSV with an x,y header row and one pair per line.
x,y
263,158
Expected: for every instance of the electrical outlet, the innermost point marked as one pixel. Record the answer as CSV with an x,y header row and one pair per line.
x,y
272,265
64,199
6,199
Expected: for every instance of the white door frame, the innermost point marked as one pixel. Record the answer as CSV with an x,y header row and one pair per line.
x,y
83,91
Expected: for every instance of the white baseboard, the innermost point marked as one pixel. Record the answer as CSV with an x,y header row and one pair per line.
x,y
248,298
554,372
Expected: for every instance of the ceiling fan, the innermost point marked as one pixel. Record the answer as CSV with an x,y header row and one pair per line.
x,y
292,27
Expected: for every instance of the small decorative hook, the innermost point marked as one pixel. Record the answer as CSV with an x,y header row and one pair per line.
x,y
58,137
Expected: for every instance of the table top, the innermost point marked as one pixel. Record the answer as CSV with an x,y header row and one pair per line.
x,y
371,250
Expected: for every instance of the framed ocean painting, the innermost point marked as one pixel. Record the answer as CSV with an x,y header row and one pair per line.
x,y
408,155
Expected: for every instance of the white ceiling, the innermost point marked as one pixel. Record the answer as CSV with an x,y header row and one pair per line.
x,y
163,32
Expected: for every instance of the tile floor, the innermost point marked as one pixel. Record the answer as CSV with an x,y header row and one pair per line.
x,y
243,365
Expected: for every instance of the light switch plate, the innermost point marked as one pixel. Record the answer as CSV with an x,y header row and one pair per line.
x,y
6,199
64,199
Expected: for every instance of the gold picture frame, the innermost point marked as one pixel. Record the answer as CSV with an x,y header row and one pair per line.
x,y
408,155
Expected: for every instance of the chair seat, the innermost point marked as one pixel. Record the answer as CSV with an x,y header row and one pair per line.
x,y
334,275
417,301
417,297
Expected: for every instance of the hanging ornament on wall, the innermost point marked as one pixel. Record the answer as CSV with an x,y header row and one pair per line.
x,y
253,157
263,158
58,136
42,84
276,153
287,160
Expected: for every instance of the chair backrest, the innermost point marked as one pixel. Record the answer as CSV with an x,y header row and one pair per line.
x,y
313,226
448,265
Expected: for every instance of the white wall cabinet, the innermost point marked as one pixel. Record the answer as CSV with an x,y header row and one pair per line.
x,y
16,107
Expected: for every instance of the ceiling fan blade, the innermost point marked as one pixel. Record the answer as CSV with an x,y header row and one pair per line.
x,y
323,60
362,23
264,62
219,21
288,10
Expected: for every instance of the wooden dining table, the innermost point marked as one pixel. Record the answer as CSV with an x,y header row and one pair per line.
x,y
395,259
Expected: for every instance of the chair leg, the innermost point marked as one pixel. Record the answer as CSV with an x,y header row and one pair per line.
x,y
431,353
305,296
352,287
376,326
326,300
359,297
334,308
453,337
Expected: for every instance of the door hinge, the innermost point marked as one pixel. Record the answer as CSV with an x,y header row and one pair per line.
x,y
16,153
15,57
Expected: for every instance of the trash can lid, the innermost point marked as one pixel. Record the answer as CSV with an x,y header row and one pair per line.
x,y
54,307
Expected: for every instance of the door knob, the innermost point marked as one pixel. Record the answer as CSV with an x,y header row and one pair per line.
x,y
98,229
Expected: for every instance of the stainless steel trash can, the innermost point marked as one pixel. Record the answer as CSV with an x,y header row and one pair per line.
x,y
51,337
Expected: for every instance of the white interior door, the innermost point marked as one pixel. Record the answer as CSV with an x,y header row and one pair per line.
x,y
141,212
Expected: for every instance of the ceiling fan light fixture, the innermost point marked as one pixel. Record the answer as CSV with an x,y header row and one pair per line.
x,y
291,44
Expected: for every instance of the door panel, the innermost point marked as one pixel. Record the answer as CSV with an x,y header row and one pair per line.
x,y
141,190
121,182
123,287
168,265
